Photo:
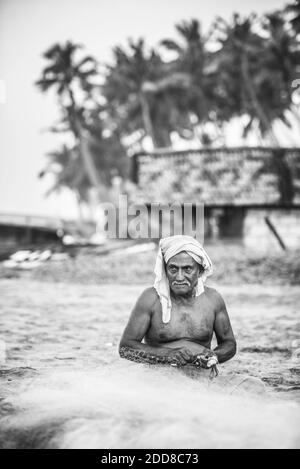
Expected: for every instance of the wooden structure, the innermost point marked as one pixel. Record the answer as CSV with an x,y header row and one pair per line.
x,y
228,181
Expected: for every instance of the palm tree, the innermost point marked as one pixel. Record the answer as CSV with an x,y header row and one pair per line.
x,y
292,11
198,75
67,76
65,166
190,63
260,68
123,88
278,67
141,91
257,68
239,60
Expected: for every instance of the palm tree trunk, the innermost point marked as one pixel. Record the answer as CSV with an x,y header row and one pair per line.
x,y
147,118
295,112
162,137
87,158
79,207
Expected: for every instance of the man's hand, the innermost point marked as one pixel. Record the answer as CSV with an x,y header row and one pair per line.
x,y
180,356
206,360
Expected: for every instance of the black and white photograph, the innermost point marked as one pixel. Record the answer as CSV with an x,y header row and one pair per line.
x,y
149,227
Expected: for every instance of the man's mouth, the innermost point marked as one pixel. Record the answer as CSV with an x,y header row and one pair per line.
x,y
181,284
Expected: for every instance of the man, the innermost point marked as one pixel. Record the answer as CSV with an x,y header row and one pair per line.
x,y
173,322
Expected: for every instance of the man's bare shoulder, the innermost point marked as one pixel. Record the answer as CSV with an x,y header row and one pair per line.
x,y
148,299
216,298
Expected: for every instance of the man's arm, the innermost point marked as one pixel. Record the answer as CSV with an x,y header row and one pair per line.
x,y
131,346
226,348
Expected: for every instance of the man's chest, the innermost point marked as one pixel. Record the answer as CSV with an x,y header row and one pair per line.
x,y
193,322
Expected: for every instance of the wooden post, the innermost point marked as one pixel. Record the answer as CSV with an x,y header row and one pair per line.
x,y
275,233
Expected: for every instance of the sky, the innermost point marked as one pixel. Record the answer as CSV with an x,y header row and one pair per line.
x,y
29,27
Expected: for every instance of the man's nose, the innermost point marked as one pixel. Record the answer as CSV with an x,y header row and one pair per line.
x,y
179,276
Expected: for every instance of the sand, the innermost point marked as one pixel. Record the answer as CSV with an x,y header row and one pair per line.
x,y
55,336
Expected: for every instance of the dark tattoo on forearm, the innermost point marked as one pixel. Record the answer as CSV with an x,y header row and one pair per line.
x,y
141,356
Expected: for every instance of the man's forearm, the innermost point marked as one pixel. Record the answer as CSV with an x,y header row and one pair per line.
x,y
225,351
144,353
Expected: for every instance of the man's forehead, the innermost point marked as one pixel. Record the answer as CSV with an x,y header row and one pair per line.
x,y
182,258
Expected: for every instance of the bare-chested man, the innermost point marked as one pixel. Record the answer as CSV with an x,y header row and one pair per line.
x,y
174,321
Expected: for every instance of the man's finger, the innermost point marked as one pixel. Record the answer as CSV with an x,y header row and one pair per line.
x,y
202,361
189,356
180,358
186,354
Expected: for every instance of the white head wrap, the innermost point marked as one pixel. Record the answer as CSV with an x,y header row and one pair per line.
x,y
169,247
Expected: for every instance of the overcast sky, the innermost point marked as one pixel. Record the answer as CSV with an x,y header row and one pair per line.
x,y
27,28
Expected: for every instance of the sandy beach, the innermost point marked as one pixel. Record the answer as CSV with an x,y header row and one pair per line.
x,y
58,336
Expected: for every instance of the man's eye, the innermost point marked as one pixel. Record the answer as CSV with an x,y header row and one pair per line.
x,y
188,269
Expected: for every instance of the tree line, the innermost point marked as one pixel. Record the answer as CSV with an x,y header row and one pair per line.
x,y
241,67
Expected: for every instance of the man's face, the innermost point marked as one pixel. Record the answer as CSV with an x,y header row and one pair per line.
x,y
182,272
